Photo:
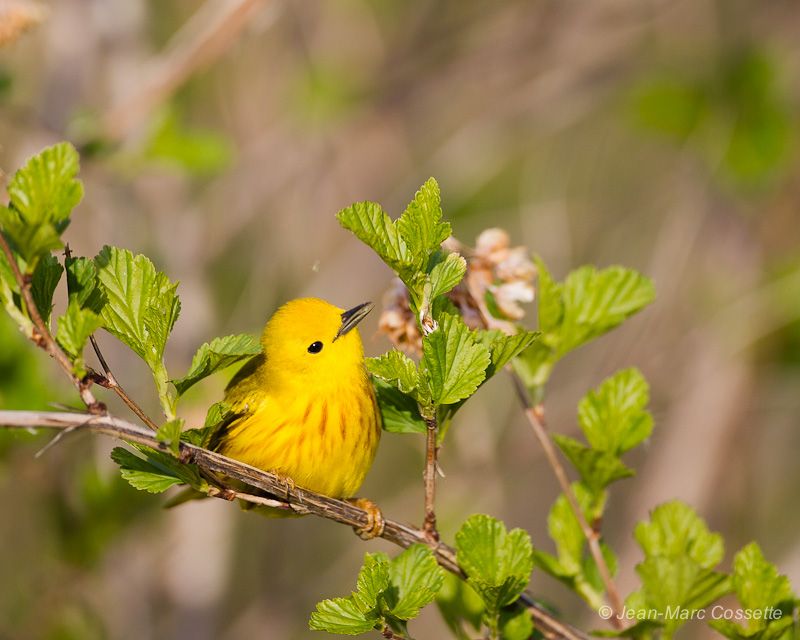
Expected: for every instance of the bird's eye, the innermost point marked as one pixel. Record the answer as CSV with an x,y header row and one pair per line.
x,y
315,347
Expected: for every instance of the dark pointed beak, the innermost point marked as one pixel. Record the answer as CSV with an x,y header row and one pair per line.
x,y
352,317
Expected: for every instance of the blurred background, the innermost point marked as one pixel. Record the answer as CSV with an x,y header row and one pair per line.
x,y
220,139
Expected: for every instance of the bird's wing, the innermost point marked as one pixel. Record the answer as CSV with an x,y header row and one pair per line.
x,y
239,395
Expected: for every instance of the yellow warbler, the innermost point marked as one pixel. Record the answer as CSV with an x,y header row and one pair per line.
x,y
305,409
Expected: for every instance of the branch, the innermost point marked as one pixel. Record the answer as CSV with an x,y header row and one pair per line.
x,y
42,336
301,501
431,450
535,415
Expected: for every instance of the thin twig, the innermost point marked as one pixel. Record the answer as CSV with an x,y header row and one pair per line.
x,y
535,415
300,501
391,635
431,450
108,379
110,382
42,336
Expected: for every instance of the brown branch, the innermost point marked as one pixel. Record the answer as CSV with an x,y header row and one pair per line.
x,y
535,415
431,450
299,500
42,336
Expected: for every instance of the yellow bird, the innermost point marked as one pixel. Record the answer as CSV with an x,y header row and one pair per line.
x,y
305,409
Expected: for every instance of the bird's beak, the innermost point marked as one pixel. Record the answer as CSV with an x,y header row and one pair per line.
x,y
352,317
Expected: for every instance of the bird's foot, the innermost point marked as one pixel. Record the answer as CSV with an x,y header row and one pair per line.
x,y
375,522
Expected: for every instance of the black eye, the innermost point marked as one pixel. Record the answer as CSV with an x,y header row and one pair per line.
x,y
315,347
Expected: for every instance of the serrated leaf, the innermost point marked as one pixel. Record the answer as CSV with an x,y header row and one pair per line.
x,y
498,564
340,615
759,588
675,530
142,305
372,581
504,348
416,578
372,225
74,329
614,416
420,225
45,189
218,414
43,285
454,363
399,412
170,434
446,275
216,355
31,241
597,469
43,193
597,301
397,369
141,474
83,284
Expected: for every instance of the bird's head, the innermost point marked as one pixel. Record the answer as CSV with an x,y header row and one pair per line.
x,y
310,341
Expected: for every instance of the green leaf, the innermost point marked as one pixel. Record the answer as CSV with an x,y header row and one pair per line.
x,y
459,605
399,412
454,363
416,578
74,329
45,189
142,306
504,348
361,611
370,224
170,434
420,225
762,592
447,274
598,469
218,414
516,625
341,615
43,194
43,285
498,564
31,241
597,301
675,530
614,416
215,355
141,474
83,284
372,581
677,572
551,301
397,369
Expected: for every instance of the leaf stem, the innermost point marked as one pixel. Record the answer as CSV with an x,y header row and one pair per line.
x,y
42,336
535,415
110,382
431,452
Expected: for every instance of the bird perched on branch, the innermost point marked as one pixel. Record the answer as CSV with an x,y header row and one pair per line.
x,y
305,409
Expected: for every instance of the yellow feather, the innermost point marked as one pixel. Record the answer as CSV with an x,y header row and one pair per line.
x,y
305,414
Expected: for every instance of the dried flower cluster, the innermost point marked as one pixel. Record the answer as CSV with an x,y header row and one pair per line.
x,y
499,279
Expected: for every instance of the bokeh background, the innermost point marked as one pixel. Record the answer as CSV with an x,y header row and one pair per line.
x,y
220,138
